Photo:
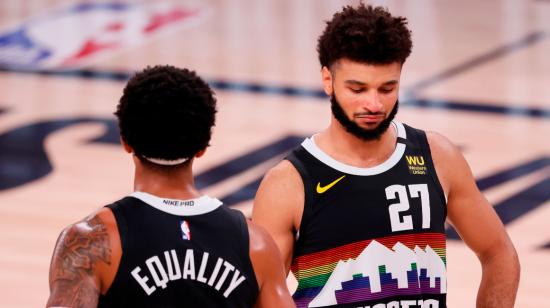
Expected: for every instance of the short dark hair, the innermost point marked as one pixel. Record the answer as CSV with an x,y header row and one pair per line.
x,y
364,34
166,113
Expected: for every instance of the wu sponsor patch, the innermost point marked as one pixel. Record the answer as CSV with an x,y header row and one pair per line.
x,y
416,164
77,34
185,230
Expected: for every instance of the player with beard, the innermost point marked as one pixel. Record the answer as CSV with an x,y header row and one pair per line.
x,y
359,209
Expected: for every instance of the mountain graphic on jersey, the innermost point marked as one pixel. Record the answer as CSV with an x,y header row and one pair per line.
x,y
372,270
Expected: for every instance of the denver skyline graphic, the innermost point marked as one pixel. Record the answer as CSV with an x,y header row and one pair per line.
x,y
379,272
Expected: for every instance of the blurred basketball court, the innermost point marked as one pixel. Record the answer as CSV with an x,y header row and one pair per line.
x,y
479,74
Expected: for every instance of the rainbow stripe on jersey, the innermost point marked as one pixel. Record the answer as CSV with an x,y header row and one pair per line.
x,y
373,269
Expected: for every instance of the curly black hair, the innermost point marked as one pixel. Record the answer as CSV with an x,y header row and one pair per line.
x,y
166,113
365,34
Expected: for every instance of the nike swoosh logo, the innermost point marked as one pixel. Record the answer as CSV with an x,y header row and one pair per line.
x,y
322,189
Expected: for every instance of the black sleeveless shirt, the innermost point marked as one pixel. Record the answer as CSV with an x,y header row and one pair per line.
x,y
181,253
371,237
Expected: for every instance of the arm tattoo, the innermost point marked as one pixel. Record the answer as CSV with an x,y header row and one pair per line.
x,y
72,276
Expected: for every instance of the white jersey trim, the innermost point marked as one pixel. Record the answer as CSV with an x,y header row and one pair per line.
x,y
313,149
191,207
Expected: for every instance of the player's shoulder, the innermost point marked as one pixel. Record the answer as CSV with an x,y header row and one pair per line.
x,y
448,159
88,239
284,176
440,146
98,221
282,182
92,236
284,170
91,249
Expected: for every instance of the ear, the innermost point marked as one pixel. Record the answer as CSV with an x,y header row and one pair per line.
x,y
326,75
200,153
126,147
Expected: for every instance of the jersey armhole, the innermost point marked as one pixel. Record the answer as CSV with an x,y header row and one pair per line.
x,y
308,191
426,152
245,233
120,222
122,232
243,227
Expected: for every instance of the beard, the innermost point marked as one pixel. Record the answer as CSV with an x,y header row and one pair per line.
x,y
356,130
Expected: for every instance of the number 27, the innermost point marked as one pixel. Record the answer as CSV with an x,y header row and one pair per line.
x,y
400,192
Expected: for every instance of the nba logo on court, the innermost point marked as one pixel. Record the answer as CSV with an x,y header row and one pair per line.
x,y
77,34
185,231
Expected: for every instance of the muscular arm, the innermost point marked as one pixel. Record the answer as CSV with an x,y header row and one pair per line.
x,y
278,207
82,263
478,225
269,270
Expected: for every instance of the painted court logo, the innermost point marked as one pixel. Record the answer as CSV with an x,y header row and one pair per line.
x,y
416,164
77,34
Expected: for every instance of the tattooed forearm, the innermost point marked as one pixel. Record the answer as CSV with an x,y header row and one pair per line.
x,y
73,273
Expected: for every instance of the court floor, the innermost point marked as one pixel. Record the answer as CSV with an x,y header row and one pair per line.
x,y
479,74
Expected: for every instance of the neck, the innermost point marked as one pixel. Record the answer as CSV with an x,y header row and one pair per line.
x,y
349,149
176,184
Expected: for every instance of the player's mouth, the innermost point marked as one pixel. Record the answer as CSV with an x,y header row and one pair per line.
x,y
370,118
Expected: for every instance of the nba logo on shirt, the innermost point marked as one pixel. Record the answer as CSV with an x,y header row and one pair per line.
x,y
185,231
78,34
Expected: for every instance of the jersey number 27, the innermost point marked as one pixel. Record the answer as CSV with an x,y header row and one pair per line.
x,y
399,192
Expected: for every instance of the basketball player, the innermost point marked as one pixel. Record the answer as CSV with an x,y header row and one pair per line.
x,y
358,210
166,244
